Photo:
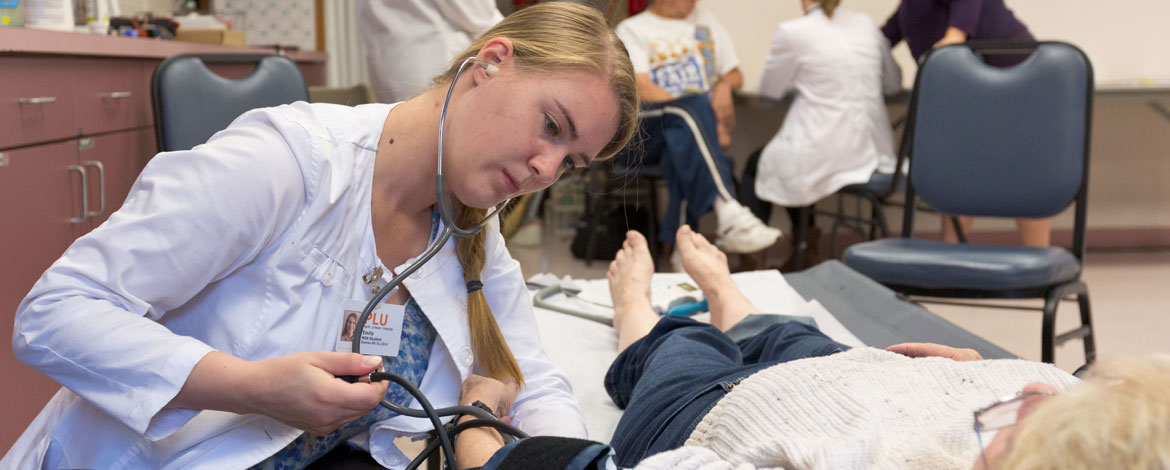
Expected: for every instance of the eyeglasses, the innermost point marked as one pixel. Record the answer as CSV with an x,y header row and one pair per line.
x,y
999,415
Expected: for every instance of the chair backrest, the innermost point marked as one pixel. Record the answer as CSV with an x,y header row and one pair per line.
x,y
191,103
1007,142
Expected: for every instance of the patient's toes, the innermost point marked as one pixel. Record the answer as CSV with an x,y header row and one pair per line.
x,y
629,273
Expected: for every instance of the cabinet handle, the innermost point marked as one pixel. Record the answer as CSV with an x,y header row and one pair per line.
x,y
38,100
116,94
84,195
101,188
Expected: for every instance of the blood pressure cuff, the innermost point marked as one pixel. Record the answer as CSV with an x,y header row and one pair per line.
x,y
547,452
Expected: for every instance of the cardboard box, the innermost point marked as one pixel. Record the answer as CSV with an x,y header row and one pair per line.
x,y
228,37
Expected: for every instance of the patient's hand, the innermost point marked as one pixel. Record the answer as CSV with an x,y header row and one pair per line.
x,y
935,350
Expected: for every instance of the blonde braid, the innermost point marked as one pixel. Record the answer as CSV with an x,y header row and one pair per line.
x,y
487,341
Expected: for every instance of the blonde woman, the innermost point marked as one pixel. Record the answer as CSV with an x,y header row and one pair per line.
x,y
198,327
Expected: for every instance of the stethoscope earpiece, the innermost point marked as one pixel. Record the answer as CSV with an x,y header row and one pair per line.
x,y
488,67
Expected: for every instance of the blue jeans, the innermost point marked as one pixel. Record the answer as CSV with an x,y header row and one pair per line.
x,y
670,143
668,380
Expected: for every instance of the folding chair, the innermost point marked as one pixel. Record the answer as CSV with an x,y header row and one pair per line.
x,y
1002,142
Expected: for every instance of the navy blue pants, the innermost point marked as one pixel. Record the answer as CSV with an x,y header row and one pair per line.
x,y
668,380
670,143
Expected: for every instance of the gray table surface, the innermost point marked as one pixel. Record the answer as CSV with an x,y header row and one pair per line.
x,y
877,316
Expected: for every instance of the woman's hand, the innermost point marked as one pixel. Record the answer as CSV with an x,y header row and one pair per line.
x,y
302,390
935,350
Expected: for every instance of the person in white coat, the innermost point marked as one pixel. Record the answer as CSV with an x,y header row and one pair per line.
x,y
409,42
199,326
837,131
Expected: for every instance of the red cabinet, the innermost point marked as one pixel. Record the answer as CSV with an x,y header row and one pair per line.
x,y
112,163
40,215
36,100
78,131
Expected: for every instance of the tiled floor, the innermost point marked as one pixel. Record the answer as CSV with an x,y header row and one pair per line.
x,y
1130,294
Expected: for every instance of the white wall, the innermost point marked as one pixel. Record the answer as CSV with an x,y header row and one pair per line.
x,y
1126,40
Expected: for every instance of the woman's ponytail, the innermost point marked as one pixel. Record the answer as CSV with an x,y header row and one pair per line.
x,y
487,341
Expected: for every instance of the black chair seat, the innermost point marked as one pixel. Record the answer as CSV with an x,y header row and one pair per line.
x,y
934,264
878,184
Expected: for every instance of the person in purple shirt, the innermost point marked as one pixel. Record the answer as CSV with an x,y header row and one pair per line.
x,y
930,24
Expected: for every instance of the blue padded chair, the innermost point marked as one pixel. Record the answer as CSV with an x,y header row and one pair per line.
x,y
191,103
1001,142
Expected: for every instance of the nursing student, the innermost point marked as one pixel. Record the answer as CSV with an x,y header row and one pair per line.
x,y
929,24
198,327
837,132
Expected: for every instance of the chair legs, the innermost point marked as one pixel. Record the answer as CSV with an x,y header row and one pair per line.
x,y
1048,337
1087,322
878,226
800,238
1048,327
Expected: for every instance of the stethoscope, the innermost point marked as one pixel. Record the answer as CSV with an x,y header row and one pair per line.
x,y
449,230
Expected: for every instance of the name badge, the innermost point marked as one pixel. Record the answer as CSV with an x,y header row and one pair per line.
x,y
382,333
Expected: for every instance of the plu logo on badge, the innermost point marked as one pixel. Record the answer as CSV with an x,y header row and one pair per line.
x,y
382,333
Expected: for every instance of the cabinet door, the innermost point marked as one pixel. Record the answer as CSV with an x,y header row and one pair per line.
x,y
36,100
39,193
113,162
110,95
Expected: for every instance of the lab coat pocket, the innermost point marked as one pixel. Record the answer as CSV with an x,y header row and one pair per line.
x,y
322,267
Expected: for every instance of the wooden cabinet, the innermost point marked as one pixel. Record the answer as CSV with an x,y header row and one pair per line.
x,y
112,163
36,100
76,129
40,215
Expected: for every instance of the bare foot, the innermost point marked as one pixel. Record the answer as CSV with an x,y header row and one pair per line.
x,y
708,267
629,288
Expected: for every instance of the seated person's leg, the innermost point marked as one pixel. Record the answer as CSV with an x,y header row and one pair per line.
x,y
698,172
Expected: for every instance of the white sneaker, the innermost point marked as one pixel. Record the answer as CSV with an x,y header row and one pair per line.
x,y
740,231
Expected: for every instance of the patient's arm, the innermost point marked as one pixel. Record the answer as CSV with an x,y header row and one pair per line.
x,y
935,350
475,446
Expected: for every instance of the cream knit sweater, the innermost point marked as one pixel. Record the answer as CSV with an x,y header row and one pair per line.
x,y
863,408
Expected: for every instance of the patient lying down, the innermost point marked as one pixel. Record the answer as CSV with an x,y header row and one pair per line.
x,y
730,395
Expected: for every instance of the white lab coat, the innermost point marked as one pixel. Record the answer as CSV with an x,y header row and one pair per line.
x,y
409,42
248,244
837,131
